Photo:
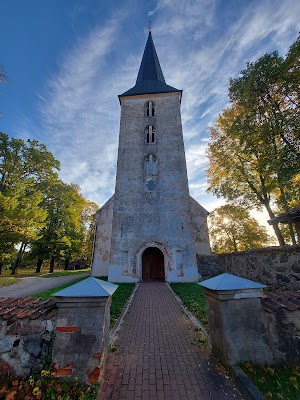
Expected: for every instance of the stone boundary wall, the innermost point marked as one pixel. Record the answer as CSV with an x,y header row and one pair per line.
x,y
276,267
282,325
26,334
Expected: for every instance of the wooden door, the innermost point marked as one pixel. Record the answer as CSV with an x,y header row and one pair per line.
x,y
153,265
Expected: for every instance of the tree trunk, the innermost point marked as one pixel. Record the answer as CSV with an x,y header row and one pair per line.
x,y
15,264
0,267
235,244
67,261
18,259
275,226
51,269
297,227
286,207
39,264
292,233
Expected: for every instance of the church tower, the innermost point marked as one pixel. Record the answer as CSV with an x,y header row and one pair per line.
x,y
150,228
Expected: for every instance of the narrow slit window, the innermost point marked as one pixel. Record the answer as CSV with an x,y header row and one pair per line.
x,y
150,134
150,109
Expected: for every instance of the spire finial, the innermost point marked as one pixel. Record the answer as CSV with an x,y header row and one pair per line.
x,y
149,26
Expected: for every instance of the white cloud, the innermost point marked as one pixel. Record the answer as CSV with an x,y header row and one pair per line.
x,y
80,112
196,159
203,67
198,49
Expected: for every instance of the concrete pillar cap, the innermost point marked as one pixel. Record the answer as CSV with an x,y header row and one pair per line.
x,y
89,287
230,282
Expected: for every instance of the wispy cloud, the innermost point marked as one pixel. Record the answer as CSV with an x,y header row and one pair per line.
x,y
200,45
80,112
196,159
200,51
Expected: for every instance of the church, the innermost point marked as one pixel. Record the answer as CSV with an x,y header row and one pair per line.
x,y
151,228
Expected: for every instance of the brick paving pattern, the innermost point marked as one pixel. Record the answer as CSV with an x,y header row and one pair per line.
x,y
157,356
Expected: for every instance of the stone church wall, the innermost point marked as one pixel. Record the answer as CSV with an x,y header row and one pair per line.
x,y
101,254
152,210
201,236
276,267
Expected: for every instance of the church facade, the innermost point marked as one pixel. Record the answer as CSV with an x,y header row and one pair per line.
x,y
151,228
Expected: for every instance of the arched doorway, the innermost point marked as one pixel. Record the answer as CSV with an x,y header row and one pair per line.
x,y
153,265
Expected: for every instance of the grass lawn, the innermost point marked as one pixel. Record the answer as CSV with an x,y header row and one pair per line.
x,y
48,293
119,299
26,272
193,298
275,383
66,273
7,281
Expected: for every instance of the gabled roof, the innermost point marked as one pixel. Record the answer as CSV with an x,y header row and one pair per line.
x,y
150,78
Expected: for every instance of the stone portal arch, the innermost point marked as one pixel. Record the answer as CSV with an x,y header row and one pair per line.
x,y
152,253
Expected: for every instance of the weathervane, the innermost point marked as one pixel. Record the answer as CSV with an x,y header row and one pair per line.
x,y
149,26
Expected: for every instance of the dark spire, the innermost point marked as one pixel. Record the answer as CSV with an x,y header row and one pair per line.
x,y
150,77
150,69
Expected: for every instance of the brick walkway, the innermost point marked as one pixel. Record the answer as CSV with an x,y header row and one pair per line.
x,y
157,356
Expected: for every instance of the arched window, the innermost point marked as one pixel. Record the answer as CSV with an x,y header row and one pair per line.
x,y
150,134
150,165
150,109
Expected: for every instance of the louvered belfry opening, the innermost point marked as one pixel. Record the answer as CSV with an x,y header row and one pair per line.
x,y
153,265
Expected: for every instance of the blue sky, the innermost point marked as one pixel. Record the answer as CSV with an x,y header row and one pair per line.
x,y
67,60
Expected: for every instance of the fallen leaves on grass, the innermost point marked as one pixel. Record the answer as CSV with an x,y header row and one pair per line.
x,y
45,386
280,382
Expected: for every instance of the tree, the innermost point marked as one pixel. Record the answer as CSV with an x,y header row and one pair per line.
x,y
88,224
38,211
267,93
73,228
238,171
270,100
233,229
254,150
25,167
3,79
65,233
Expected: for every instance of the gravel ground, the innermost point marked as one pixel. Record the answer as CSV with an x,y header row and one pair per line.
x,y
31,285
